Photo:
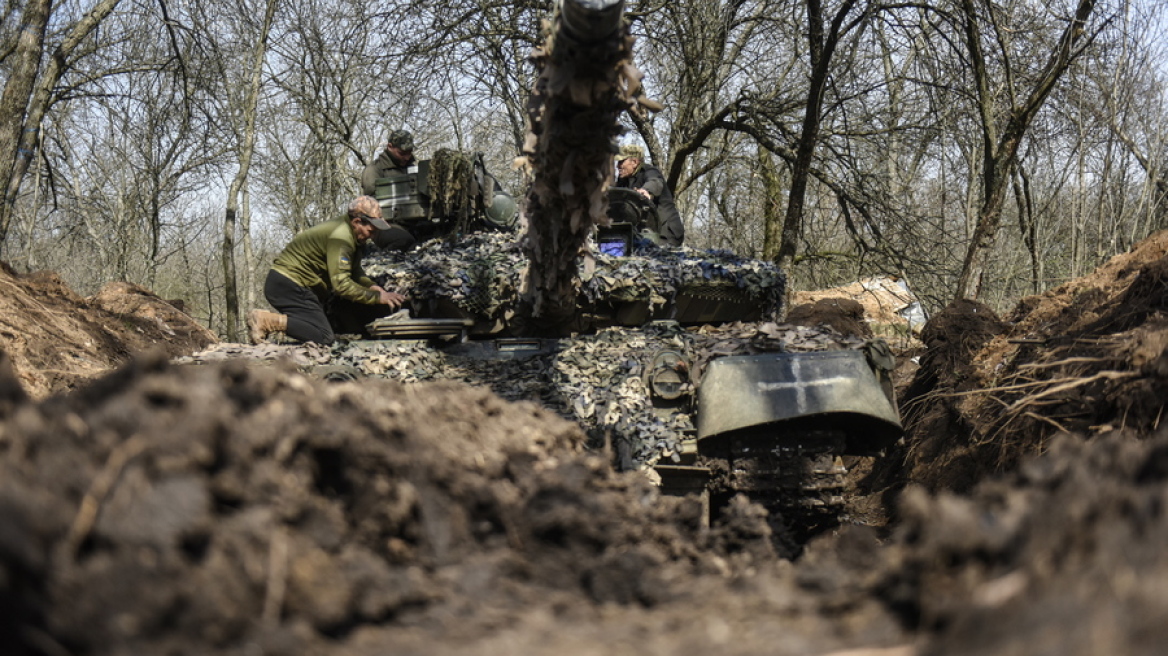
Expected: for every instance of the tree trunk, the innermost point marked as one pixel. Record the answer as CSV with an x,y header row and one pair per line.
x,y
23,112
821,49
246,148
15,99
1001,151
1028,226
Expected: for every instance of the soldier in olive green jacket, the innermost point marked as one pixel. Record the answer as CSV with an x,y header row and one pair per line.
x,y
317,286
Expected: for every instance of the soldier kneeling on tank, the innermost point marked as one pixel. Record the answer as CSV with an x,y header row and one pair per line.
x,y
317,286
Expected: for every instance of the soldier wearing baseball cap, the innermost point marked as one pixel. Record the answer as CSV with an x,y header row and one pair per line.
x,y
402,139
316,283
629,151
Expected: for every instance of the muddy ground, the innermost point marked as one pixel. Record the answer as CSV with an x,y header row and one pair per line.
x,y
154,508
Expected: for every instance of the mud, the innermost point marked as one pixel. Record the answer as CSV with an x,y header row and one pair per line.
x,y
174,509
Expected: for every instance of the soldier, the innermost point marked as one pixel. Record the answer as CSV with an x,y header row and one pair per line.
x,y
394,160
316,283
633,172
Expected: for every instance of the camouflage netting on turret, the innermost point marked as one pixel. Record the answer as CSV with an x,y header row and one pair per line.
x,y
594,380
480,273
659,275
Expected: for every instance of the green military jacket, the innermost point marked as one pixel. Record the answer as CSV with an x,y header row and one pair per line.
x,y
326,255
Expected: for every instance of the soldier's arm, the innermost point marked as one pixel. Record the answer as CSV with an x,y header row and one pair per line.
x,y
339,254
369,179
654,183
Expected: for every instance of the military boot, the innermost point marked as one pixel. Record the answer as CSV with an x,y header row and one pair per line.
x,y
261,323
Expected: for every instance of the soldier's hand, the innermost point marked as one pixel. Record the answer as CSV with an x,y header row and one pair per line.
x,y
644,193
393,299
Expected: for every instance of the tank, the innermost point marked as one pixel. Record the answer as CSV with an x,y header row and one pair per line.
x,y
679,362
675,358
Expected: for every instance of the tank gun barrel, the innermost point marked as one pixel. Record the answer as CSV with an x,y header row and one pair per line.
x,y
579,92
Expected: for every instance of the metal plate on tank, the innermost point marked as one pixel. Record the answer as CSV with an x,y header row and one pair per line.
x,y
504,348
417,328
744,392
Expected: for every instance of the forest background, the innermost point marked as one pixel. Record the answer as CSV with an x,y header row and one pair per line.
x,y
977,149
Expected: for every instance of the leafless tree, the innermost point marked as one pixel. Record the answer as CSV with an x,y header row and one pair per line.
x,y
1005,118
245,112
29,89
823,37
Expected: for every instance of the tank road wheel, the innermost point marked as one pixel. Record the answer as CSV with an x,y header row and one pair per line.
x,y
337,373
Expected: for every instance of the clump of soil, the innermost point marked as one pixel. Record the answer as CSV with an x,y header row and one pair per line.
x,y
843,314
1086,358
1062,556
216,506
57,339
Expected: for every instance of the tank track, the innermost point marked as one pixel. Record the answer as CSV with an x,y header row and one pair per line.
x,y
799,478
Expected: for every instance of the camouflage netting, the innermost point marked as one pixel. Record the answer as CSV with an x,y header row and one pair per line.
x,y
593,380
480,273
452,186
658,275
599,379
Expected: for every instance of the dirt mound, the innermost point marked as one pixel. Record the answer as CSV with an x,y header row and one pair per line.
x,y
1063,556
1076,305
57,339
204,508
844,315
218,509
886,305
1088,357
